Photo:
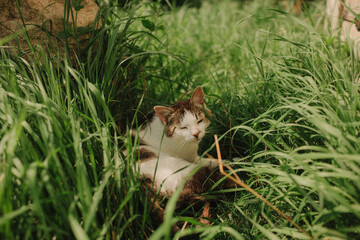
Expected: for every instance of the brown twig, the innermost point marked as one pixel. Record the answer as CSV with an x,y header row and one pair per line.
x,y
244,185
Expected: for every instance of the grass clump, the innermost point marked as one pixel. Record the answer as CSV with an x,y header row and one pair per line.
x,y
284,95
62,120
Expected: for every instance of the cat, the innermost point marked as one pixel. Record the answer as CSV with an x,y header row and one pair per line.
x,y
168,152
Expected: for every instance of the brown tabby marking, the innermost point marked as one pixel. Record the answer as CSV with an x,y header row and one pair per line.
x,y
145,154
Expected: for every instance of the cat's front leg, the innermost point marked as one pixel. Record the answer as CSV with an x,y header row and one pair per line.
x,y
211,163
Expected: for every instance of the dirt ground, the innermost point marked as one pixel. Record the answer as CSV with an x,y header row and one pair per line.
x,y
39,15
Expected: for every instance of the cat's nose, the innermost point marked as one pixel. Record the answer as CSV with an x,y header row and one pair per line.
x,y
196,135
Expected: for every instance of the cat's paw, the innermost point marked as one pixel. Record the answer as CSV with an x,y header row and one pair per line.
x,y
213,164
209,163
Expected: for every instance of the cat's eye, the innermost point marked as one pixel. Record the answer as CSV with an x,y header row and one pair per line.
x,y
199,121
183,128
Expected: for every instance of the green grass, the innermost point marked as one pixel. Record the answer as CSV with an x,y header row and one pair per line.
x,y
284,96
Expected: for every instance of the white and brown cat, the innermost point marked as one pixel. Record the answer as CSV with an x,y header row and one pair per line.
x,y
169,151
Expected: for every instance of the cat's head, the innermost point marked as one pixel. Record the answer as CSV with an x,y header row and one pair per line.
x,y
186,120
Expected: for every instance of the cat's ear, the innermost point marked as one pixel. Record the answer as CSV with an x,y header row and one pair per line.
x,y
198,96
163,113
